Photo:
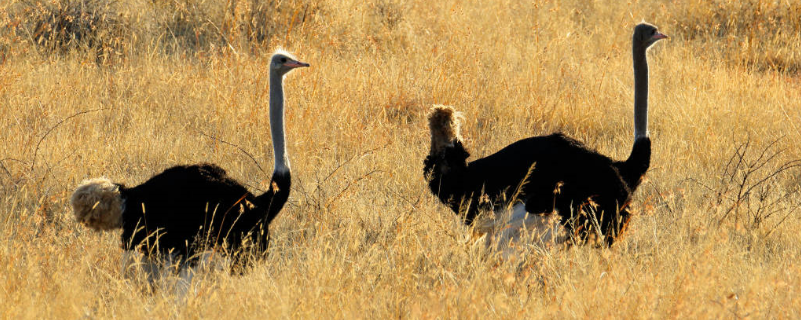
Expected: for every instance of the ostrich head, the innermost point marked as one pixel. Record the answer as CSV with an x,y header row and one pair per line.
x,y
97,204
282,62
645,35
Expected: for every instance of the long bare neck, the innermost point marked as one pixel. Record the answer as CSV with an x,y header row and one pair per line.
x,y
277,123
640,93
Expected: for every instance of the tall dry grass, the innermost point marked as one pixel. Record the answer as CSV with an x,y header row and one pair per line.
x,y
138,86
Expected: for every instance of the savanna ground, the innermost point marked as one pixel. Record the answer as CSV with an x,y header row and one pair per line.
x,y
127,88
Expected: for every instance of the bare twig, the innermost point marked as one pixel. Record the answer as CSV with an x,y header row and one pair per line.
x,y
748,185
350,184
38,144
233,145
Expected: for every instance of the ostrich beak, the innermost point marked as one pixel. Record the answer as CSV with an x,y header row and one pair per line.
x,y
659,36
296,64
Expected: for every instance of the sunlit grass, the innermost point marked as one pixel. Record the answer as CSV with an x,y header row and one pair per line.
x,y
361,236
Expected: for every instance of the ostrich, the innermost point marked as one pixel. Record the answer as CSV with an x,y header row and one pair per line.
x,y
188,207
544,175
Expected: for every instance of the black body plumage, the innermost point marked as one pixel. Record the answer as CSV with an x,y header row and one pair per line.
x,y
186,208
563,177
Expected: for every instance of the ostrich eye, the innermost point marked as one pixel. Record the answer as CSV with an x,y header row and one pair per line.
x,y
283,60
653,32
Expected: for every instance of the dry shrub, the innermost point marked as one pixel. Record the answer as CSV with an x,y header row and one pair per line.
x,y
756,188
115,28
389,13
385,19
262,20
207,25
189,25
758,33
61,26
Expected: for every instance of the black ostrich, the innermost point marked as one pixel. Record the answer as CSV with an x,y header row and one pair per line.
x,y
547,174
187,208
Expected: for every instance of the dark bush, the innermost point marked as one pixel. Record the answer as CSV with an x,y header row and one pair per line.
x,y
64,25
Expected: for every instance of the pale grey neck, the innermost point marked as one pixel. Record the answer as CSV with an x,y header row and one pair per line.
x,y
640,93
277,123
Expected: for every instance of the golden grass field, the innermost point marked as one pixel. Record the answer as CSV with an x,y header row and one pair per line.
x,y
165,82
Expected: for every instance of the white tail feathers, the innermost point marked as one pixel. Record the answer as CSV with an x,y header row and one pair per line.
x,y
509,227
444,124
97,204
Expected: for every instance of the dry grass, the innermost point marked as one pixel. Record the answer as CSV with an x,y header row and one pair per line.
x,y
162,81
